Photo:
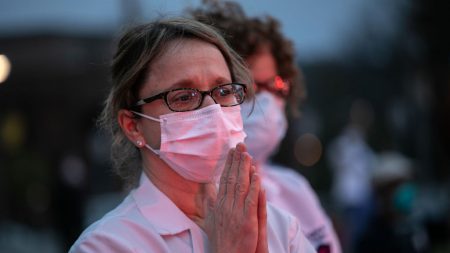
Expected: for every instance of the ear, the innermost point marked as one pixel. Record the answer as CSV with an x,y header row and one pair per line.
x,y
129,125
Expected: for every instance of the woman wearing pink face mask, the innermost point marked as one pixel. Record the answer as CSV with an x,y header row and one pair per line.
x,y
174,116
270,58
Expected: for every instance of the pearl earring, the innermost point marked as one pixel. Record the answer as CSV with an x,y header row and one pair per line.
x,y
139,143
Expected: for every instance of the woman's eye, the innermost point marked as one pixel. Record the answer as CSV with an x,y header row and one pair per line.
x,y
224,92
183,97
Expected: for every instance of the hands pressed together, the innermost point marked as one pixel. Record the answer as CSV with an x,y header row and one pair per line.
x,y
237,220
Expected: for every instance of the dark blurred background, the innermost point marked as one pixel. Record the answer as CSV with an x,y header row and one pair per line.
x,y
381,67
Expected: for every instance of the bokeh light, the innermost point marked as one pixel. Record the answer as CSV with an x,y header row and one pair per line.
x,y
308,149
13,131
5,68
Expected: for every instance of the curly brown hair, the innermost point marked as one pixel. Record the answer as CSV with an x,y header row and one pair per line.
x,y
248,35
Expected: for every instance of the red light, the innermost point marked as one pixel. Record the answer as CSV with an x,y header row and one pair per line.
x,y
279,83
324,249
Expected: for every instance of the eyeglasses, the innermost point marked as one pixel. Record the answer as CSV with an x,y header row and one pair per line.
x,y
275,85
188,99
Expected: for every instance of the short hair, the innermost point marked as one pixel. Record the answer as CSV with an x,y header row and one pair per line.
x,y
137,49
247,35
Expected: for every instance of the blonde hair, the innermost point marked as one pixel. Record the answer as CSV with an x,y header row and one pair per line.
x,y
136,50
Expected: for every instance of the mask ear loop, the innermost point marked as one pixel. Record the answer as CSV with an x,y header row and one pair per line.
x,y
150,118
146,116
152,149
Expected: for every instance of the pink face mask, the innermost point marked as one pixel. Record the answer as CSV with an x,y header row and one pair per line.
x,y
195,143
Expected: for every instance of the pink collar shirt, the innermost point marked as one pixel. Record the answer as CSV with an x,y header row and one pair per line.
x,y
148,221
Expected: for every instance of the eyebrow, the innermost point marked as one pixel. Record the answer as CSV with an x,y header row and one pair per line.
x,y
188,83
183,83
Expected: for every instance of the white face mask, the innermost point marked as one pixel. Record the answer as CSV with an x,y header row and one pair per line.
x,y
266,126
195,143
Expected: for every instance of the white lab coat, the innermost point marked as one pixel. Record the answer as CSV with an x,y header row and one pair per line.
x,y
148,221
290,191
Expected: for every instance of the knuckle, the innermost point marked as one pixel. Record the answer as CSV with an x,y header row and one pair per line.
x,y
230,179
223,180
240,188
220,203
227,179
250,202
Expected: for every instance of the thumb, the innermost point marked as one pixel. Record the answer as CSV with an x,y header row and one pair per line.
x,y
209,202
209,205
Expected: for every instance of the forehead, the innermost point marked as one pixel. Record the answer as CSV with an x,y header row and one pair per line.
x,y
261,57
262,65
187,59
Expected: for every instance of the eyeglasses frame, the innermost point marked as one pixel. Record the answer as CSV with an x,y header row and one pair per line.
x,y
284,93
163,95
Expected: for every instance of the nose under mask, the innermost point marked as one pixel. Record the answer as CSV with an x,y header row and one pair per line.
x,y
195,143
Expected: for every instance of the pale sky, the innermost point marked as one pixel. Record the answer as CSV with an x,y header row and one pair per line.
x,y
319,28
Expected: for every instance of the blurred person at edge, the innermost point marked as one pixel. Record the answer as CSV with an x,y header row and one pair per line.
x,y
174,113
270,57
393,222
352,159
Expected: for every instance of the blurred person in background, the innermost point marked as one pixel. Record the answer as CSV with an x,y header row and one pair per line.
x,y
25,173
393,229
174,113
25,186
352,161
278,84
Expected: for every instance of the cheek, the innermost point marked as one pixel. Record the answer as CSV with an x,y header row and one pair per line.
x,y
152,133
152,129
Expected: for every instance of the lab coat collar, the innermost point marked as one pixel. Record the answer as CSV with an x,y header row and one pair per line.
x,y
159,210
